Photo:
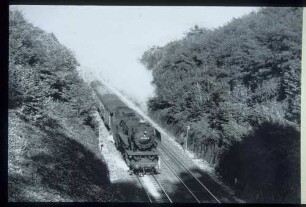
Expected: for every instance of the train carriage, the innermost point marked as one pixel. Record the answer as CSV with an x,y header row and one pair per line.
x,y
109,104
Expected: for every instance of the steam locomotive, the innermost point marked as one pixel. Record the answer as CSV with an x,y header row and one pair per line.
x,y
135,138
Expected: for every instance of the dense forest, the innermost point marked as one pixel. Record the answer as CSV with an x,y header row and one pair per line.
x,y
238,88
53,152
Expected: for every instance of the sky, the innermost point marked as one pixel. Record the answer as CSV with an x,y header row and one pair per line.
x,y
110,40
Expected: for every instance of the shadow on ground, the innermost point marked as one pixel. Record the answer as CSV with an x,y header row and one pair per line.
x,y
54,166
57,167
265,167
180,194
72,169
60,164
218,190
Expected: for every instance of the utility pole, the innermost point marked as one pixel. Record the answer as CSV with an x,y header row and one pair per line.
x,y
186,141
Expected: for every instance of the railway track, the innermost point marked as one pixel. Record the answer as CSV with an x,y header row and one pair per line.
x,y
194,186
160,196
187,188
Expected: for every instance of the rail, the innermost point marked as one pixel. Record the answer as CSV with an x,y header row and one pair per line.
x,y
180,163
163,197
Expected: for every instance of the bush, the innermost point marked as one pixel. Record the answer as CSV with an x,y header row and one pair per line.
x,y
226,82
265,166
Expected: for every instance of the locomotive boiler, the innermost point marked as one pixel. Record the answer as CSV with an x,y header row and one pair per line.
x,y
135,138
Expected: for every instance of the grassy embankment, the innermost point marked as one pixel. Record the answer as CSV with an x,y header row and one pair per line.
x,y
53,152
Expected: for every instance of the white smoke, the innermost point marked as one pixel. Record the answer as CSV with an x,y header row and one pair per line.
x,y
109,40
133,81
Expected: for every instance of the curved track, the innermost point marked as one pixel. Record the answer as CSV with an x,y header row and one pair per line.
x,y
196,188
188,188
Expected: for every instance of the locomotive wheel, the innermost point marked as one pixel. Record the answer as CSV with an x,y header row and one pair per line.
x,y
151,157
137,158
156,171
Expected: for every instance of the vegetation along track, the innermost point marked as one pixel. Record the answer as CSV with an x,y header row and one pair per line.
x,y
196,188
189,188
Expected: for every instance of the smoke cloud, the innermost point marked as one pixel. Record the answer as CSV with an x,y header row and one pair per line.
x,y
109,40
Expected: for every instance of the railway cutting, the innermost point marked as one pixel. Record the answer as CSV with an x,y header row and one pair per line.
x,y
164,176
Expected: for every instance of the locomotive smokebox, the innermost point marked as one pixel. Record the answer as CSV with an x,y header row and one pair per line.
x,y
144,136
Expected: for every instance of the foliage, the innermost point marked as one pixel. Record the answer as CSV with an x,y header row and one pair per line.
x,y
53,150
232,75
42,71
268,149
224,83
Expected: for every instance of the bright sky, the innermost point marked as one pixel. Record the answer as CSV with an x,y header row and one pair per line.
x,y
111,39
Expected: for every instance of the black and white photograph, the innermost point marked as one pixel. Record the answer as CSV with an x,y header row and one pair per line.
x,y
154,104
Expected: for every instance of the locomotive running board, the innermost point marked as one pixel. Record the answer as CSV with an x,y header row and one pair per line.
x,y
132,153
